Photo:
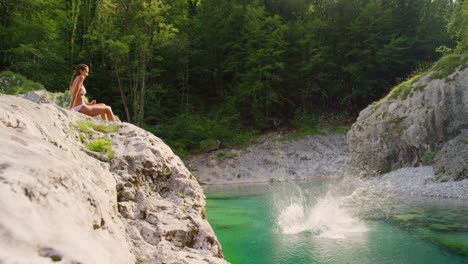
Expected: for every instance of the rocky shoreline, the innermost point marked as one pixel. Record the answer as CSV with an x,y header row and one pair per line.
x,y
415,181
272,160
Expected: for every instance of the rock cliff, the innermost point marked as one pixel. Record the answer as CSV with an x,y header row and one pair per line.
x,y
61,202
413,122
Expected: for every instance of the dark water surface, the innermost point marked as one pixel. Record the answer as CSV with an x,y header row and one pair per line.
x,y
303,223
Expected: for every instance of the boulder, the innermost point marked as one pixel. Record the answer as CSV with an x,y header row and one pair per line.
x,y
451,162
58,202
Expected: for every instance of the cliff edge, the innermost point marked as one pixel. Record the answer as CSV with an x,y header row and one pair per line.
x,y
61,202
413,124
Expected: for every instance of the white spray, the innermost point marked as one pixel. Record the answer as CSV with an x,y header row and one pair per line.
x,y
325,218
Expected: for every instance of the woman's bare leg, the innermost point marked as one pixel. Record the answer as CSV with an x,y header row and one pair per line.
x,y
110,114
94,110
103,115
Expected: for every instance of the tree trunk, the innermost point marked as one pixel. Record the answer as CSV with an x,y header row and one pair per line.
x,y
122,95
142,94
75,13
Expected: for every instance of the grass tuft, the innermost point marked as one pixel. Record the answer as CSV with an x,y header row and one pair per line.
x,y
428,158
440,70
86,126
448,64
225,155
101,145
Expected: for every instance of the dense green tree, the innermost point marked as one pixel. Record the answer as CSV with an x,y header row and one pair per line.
x,y
458,25
241,63
260,65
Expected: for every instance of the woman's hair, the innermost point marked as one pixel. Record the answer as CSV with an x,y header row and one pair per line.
x,y
77,72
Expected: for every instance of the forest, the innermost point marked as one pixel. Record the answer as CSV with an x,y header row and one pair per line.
x,y
192,71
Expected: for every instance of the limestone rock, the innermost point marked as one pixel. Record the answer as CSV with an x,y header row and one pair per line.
x,y
397,132
451,162
40,97
57,202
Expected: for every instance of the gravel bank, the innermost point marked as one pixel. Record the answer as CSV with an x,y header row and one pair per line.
x,y
419,181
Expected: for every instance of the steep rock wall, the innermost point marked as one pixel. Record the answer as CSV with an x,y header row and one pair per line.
x,y
397,132
59,202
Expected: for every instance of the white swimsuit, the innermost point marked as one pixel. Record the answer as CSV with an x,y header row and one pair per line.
x,y
83,92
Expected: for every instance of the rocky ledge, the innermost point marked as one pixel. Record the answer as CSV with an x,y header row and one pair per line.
x,y
61,202
413,124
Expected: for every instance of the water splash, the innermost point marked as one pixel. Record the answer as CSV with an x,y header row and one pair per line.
x,y
327,217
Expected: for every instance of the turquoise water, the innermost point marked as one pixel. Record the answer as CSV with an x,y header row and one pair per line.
x,y
303,223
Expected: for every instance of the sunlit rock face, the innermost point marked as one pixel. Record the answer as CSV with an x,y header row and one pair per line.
x,y
401,131
59,201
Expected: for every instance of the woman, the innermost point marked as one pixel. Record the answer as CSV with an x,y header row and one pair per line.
x,y
78,101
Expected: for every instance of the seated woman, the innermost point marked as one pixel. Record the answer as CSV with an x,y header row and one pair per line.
x,y
78,100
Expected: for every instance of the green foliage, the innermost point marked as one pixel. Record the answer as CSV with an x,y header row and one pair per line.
x,y
209,144
166,173
110,154
12,83
185,132
458,26
338,128
386,170
226,155
260,66
448,64
400,89
85,126
442,169
305,124
303,121
405,93
404,88
444,50
419,87
101,145
233,65
441,69
428,158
